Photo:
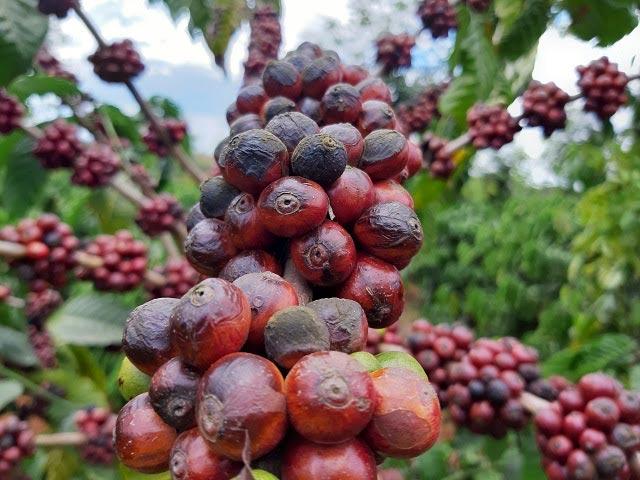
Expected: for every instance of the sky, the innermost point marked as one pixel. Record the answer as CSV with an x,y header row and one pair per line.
x,y
182,69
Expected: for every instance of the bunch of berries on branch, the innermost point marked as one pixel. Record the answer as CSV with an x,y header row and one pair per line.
x,y
394,51
11,112
438,16
416,115
16,443
591,432
176,131
306,235
97,424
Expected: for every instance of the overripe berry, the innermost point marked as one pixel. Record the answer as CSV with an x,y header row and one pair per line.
x,y
250,99
543,106
95,166
394,51
59,8
491,126
340,103
179,277
175,129
17,441
11,112
604,87
280,78
117,62
59,145
159,214
376,115
438,16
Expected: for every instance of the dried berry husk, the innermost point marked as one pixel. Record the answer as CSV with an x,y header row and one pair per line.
x,y
209,246
267,294
351,195
254,159
142,440
292,333
346,321
277,106
325,256
145,340
215,196
350,138
281,78
246,229
384,155
210,321
192,459
319,75
172,394
330,397
406,422
391,232
250,261
320,158
341,103
291,128
247,392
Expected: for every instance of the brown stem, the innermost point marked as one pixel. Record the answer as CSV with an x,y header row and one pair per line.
x,y
12,250
456,144
14,302
305,295
130,194
169,245
575,97
631,79
33,132
61,439
89,24
179,232
533,403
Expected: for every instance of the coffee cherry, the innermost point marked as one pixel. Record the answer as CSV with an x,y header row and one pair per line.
x,y
435,153
292,333
291,128
406,421
209,246
388,191
249,261
625,437
320,158
300,61
117,63
212,320
159,214
610,461
172,394
346,321
602,413
544,106
11,112
192,459
376,115
559,447
17,442
51,66
377,287
232,113
592,440
245,228
629,405
59,8
267,294
351,195
595,385
438,16
179,277
311,108
276,106
491,126
145,340
574,424
514,415
325,256
292,206
59,145
374,88
280,78
604,87
394,51
497,392
143,441
350,138
310,50
341,103
304,460
319,75
251,98
244,123
391,232
95,166
253,160
175,129
215,197
227,396
353,74
384,155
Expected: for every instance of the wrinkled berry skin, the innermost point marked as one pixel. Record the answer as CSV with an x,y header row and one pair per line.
x,y
251,98
319,75
377,287
350,138
325,256
351,195
246,230
215,197
391,232
246,391
292,206
385,154
280,78
267,294
209,246
211,321
291,128
330,397
146,340
406,421
143,441
249,261
351,460
320,158
376,115
276,106
254,159
172,394
346,321
341,103
192,459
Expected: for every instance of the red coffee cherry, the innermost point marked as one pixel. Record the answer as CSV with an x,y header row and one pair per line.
x,y
377,287
384,155
280,78
592,440
376,115
325,256
320,158
574,424
346,322
353,74
276,106
244,123
604,87
341,103
251,98
227,396
394,51
350,138
59,145
175,129
571,399
267,294
406,421
602,413
245,228
159,214
51,66
172,394
292,206
299,60
491,126
387,191
254,159
192,459
544,106
330,397
117,63
351,195
629,405
249,261
145,340
18,441
374,88
232,113
291,128
304,460
319,75
598,384
143,441
417,114
209,246
95,166
438,16
11,112
391,232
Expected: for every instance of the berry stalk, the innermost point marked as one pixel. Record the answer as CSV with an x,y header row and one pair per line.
x,y
61,439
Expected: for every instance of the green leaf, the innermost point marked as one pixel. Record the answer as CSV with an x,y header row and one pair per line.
x,y
25,86
587,19
128,474
79,389
89,320
61,464
480,50
226,17
9,391
525,31
459,98
24,179
89,367
22,30
16,349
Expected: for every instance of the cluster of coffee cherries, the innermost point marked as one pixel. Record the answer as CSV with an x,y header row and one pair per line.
x,y
604,87
394,51
218,396
11,112
543,105
591,432
97,424
179,277
16,443
438,16
264,42
117,62
159,214
417,114
437,156
176,131
491,126
51,66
